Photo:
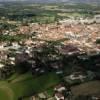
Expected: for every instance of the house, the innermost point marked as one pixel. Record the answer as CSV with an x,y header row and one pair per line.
x,y
28,42
59,96
15,46
95,98
59,72
60,88
1,46
21,57
42,96
34,98
3,55
12,58
75,78
83,57
1,65
79,77
52,98
97,18
62,93
69,49
88,21
12,63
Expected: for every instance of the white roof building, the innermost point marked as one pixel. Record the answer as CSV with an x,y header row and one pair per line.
x,y
97,18
1,65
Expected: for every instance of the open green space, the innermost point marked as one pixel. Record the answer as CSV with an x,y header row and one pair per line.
x,y
45,13
26,85
13,38
6,93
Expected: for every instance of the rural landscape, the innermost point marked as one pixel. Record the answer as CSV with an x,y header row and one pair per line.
x,y
49,50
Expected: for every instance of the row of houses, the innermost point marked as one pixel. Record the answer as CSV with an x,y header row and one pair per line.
x,y
96,19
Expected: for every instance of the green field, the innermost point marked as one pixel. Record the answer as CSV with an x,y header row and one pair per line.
x,y
6,93
45,13
26,85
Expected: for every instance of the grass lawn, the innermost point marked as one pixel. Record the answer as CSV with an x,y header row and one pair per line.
x,y
26,85
50,92
5,94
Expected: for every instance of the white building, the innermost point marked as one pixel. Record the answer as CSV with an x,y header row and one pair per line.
x,y
1,65
97,19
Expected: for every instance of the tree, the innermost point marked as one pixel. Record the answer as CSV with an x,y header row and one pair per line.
x,y
21,63
98,41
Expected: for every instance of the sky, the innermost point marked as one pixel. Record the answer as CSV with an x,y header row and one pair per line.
x,y
57,0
